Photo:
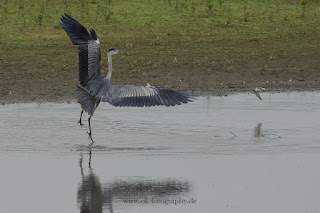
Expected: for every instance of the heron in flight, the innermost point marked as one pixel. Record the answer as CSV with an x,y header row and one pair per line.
x,y
95,88
257,91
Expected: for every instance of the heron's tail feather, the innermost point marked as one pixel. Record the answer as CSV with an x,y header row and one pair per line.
x,y
86,101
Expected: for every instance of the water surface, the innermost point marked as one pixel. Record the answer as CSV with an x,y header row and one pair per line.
x,y
224,154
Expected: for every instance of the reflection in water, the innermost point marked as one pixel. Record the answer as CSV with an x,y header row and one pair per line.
x,y
257,133
89,191
92,197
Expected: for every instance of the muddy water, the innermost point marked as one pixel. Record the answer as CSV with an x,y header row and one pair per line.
x,y
224,154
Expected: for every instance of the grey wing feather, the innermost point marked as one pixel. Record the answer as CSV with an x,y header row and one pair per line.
x,y
89,48
139,96
94,59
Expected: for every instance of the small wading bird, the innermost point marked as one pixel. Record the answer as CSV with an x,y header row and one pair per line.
x,y
94,88
257,90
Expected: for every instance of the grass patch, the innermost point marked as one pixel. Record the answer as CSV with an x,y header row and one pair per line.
x,y
113,19
160,35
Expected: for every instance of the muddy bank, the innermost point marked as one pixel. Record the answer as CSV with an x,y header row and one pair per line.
x,y
204,68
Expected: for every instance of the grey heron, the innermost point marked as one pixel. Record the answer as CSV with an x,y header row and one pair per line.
x,y
94,88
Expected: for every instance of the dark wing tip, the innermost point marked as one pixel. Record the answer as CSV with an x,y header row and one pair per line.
x,y
173,98
66,15
140,96
77,32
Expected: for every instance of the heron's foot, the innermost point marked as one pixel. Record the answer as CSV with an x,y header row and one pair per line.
x,y
79,122
90,136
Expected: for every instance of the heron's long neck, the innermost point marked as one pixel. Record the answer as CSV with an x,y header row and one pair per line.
x,y
110,66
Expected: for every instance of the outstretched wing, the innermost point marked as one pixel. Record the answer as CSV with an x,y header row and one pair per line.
x,y
139,96
89,48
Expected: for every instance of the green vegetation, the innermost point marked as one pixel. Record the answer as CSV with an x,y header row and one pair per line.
x,y
129,17
36,22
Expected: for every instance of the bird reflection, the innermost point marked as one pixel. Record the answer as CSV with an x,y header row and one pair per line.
x,y
93,197
89,191
257,132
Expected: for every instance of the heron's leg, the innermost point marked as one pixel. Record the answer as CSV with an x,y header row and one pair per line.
x,y
79,122
89,133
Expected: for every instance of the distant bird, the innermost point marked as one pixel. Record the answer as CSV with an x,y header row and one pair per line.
x,y
94,88
257,90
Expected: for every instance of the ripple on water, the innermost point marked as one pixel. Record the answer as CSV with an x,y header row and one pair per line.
x,y
237,124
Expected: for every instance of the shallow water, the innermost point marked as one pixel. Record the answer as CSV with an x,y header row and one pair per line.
x,y
229,154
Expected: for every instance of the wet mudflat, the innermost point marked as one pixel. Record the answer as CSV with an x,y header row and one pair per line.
x,y
229,154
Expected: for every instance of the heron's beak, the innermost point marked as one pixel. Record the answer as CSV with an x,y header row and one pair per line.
x,y
116,52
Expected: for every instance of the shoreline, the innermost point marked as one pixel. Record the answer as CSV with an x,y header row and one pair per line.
x,y
72,99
